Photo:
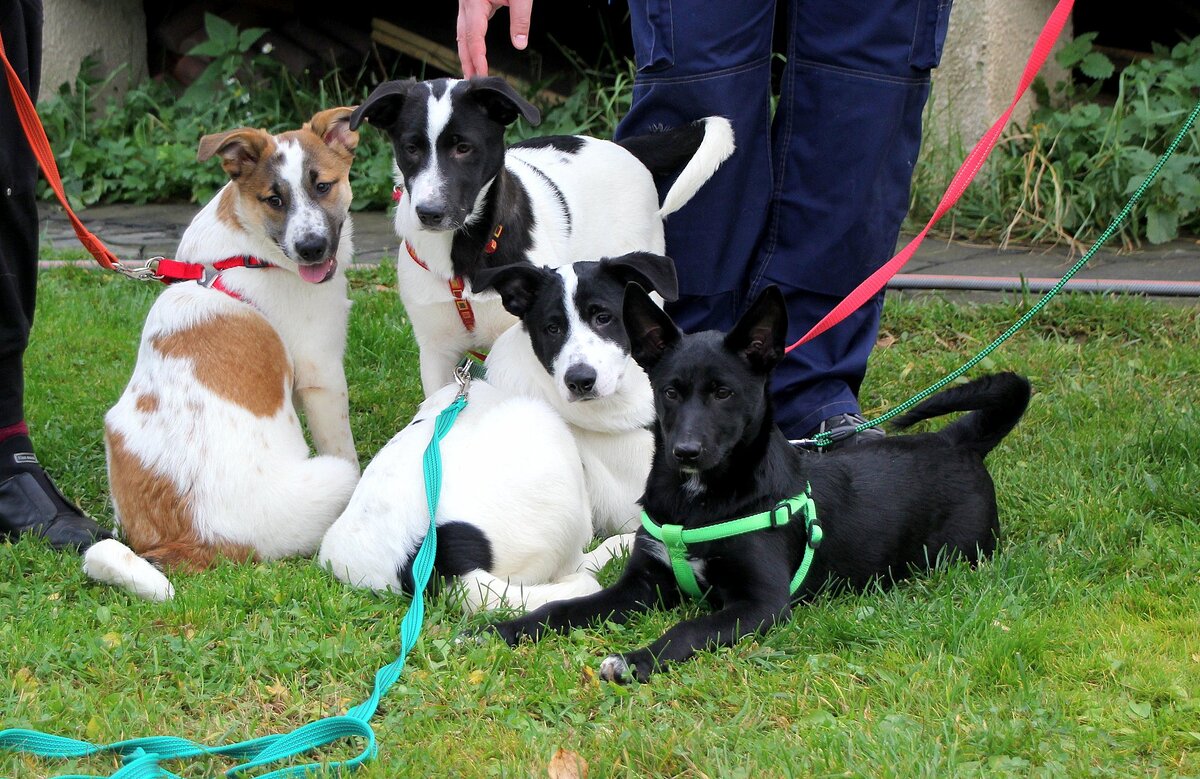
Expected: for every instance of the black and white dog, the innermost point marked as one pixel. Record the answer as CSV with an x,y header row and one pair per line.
x,y
466,202
552,449
886,509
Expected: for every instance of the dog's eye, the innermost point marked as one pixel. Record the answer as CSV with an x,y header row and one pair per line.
x,y
411,149
722,393
323,187
603,318
463,149
554,328
670,393
274,201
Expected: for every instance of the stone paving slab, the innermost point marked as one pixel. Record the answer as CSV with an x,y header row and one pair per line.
x,y
136,232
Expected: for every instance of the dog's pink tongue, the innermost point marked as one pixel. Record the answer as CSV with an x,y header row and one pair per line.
x,y
315,274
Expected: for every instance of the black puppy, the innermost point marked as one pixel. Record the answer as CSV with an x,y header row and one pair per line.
x,y
881,510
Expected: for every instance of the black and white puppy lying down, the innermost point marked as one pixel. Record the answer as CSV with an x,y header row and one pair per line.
x,y
468,202
883,510
552,449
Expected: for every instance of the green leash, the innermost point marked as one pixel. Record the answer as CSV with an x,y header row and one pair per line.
x,y
824,439
142,756
676,539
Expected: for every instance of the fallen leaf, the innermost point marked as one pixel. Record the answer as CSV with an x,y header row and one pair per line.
x,y
567,765
477,676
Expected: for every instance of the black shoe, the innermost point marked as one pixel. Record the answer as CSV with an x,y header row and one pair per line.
x,y
25,507
841,433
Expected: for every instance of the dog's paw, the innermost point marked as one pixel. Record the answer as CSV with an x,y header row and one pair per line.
x,y
623,669
512,631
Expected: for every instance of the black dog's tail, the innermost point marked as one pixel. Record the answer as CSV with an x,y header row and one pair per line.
x,y
699,148
998,401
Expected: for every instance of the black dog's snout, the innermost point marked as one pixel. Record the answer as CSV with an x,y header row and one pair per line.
x,y
580,379
430,215
687,452
312,249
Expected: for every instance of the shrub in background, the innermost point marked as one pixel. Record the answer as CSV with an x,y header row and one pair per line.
x,y
1063,175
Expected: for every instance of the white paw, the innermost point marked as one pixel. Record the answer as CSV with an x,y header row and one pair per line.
x,y
614,669
112,562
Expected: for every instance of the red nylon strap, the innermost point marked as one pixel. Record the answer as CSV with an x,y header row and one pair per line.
x,y
219,285
172,271
35,133
465,312
877,280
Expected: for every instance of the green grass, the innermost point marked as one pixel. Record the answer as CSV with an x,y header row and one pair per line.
x,y
1075,652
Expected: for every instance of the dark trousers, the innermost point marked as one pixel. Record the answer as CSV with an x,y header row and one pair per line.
x,y
813,198
21,29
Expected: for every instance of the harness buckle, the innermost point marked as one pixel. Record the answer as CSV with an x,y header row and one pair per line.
x,y
462,376
786,508
146,272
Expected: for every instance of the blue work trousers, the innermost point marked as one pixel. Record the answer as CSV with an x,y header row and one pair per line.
x,y
813,198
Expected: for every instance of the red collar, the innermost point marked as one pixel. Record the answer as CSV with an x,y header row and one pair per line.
x,y
457,286
172,271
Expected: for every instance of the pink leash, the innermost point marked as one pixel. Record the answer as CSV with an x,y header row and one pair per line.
x,y
877,280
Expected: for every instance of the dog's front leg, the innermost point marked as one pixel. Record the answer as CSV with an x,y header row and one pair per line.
x,y
326,403
720,628
644,584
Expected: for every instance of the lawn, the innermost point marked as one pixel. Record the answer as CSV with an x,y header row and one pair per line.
x,y
1074,652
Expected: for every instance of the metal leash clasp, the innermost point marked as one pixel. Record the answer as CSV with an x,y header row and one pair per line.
x,y
146,272
462,376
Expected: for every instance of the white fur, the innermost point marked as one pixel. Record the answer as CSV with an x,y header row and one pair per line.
x,y
614,210
538,475
248,479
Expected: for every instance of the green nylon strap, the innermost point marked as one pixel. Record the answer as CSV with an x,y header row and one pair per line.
x,y
824,439
142,756
676,538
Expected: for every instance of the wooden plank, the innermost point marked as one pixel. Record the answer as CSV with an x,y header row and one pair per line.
x,y
443,58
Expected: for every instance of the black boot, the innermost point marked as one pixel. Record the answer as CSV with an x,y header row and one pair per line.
x,y
31,503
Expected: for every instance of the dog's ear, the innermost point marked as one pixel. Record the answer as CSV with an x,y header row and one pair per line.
x,y
500,101
332,126
518,285
651,331
760,336
383,105
240,149
653,271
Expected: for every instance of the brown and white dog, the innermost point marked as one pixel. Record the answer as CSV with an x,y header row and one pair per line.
x,y
206,455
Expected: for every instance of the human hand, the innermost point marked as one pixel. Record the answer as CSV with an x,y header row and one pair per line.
x,y
473,16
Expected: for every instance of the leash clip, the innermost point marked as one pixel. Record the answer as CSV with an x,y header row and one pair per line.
x,y
462,376
147,272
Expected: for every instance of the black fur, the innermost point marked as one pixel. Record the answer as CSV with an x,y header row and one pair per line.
x,y
665,153
470,151
536,296
887,509
567,144
461,548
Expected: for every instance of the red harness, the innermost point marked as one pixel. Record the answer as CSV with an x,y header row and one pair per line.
x,y
457,286
173,271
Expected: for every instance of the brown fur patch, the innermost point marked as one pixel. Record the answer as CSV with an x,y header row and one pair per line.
x,y
238,357
227,209
147,403
155,518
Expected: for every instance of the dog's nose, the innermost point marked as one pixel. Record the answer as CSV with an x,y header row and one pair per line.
x,y
430,215
580,379
312,249
687,452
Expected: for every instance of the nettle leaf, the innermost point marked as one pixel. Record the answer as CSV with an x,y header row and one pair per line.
x,y
1162,225
1097,66
1075,50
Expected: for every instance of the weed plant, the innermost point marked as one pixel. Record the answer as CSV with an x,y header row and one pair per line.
x,y
1067,171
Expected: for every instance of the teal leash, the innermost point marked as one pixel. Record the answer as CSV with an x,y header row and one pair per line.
x,y
824,439
141,756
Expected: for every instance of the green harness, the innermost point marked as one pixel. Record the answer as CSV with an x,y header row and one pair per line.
x,y
676,539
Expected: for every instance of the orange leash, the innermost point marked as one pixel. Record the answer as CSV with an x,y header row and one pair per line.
x,y
40,144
